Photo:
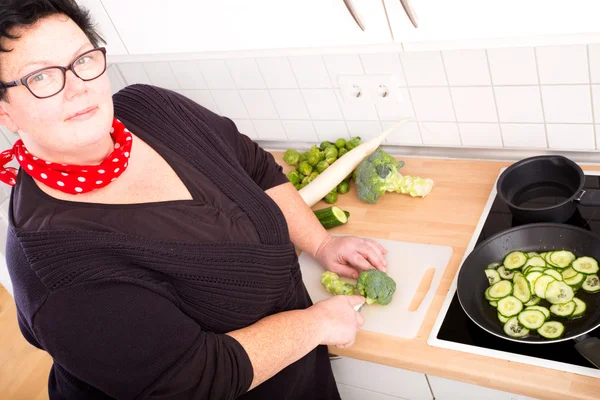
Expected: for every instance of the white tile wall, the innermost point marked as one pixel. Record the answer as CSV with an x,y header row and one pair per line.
x,y
519,97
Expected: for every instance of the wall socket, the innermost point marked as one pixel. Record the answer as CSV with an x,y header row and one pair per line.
x,y
372,89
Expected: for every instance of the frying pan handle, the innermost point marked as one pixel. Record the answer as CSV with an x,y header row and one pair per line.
x,y
588,197
589,347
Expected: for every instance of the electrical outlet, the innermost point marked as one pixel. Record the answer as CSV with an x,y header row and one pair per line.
x,y
373,89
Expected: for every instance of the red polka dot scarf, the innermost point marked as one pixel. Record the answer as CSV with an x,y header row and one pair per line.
x,y
72,179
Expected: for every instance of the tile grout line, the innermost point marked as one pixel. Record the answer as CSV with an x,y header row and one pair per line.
x,y
237,91
487,58
271,97
537,71
451,98
412,105
587,52
337,101
312,122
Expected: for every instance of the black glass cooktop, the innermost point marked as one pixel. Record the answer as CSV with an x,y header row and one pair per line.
x,y
457,326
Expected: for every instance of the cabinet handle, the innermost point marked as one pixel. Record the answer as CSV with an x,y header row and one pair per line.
x,y
410,13
352,10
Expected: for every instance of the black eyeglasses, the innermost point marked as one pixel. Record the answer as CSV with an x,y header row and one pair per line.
x,y
49,81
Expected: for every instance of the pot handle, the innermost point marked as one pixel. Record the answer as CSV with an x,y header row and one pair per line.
x,y
589,347
588,197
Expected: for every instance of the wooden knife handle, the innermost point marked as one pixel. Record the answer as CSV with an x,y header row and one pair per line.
x,y
422,289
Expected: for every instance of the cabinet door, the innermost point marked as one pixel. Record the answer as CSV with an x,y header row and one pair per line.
x,y
114,45
442,20
380,378
177,26
446,389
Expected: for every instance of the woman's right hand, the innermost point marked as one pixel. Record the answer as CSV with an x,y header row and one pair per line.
x,y
338,320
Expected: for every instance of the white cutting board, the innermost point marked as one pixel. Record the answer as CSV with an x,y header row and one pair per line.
x,y
407,265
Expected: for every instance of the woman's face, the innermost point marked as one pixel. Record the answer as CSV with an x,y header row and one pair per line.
x,y
49,127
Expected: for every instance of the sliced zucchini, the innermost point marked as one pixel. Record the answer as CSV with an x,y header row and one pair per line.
x,y
514,260
562,258
559,293
554,273
551,329
504,273
331,217
568,273
521,289
579,309
535,261
541,284
591,284
548,259
544,310
563,310
500,289
534,269
586,265
494,265
510,306
513,328
532,276
487,295
534,301
533,254
494,303
502,318
543,255
576,280
493,276
531,319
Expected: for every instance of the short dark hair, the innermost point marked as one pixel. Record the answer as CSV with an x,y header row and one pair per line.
x,y
23,13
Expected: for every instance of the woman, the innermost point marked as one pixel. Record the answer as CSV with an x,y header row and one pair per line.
x,y
151,245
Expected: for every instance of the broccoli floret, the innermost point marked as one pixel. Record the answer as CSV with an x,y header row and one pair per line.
x,y
376,286
332,283
378,174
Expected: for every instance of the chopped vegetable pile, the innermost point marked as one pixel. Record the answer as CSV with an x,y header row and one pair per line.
x,y
529,288
378,174
316,160
376,286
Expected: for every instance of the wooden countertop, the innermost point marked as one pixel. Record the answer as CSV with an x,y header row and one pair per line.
x,y
447,216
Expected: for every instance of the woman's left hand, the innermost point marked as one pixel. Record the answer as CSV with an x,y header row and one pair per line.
x,y
344,255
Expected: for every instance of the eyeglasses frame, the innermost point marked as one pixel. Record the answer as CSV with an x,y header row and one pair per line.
x,y
70,67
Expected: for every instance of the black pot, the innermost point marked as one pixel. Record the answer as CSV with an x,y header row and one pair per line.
x,y
545,189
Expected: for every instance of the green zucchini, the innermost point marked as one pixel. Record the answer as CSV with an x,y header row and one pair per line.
x,y
544,310
562,258
591,284
541,284
513,328
551,329
492,275
586,265
579,309
500,290
331,217
532,319
502,318
510,306
554,273
568,273
534,301
563,310
504,273
514,260
494,304
576,280
559,293
521,289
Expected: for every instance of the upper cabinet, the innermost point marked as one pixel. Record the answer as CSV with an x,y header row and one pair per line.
x,y
181,26
486,22
114,46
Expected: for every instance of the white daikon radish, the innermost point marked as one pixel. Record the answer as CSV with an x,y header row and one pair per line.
x,y
338,171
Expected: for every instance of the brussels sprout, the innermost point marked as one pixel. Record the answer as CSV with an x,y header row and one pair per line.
x,y
324,145
303,157
312,176
294,177
331,197
291,157
342,151
340,143
322,166
343,187
305,168
352,143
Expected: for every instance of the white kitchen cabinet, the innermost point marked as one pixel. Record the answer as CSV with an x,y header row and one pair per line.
x,y
489,23
114,45
181,26
356,376
446,389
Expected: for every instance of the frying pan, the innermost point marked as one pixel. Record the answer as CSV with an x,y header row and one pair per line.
x,y
525,185
539,237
